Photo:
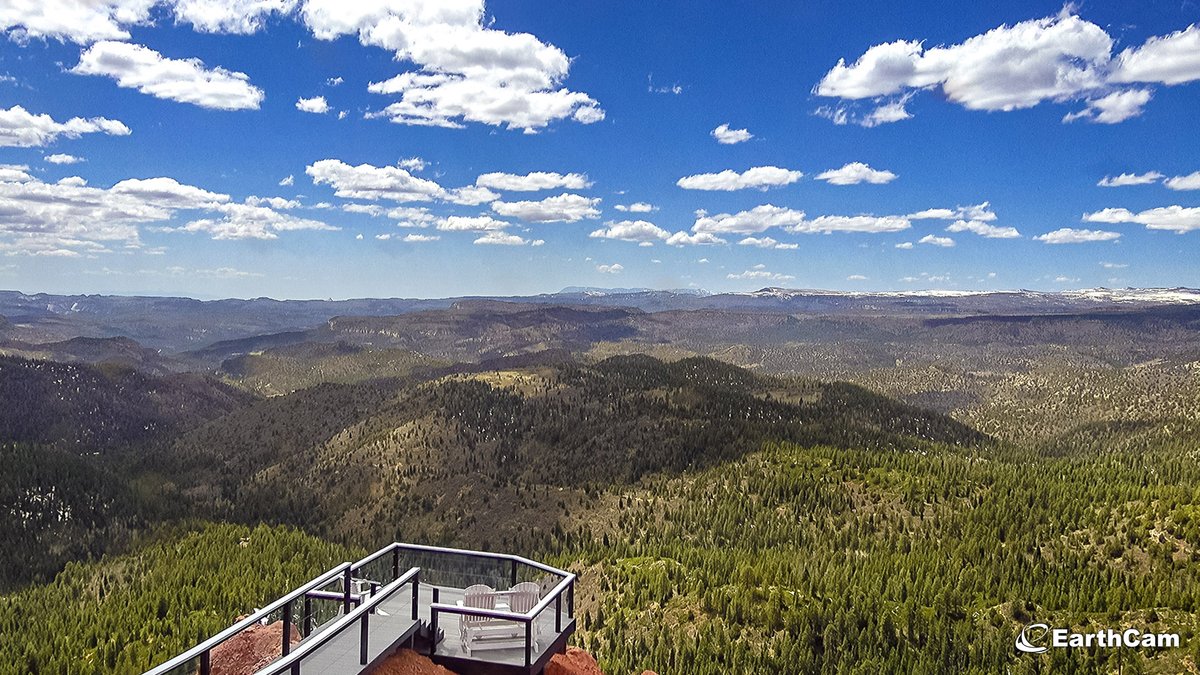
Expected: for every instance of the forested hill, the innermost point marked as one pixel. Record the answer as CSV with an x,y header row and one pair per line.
x,y
419,455
100,408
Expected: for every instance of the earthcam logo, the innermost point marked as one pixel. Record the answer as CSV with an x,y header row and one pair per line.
x,y
1039,638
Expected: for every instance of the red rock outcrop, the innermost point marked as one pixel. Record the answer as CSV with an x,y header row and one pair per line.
x,y
574,662
408,662
251,650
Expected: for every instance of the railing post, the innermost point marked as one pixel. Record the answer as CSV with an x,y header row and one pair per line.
x,y
364,632
558,613
346,592
205,663
528,642
416,593
514,573
571,599
433,627
287,629
374,592
395,564
307,615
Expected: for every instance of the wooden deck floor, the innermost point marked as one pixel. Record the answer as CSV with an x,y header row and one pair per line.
x,y
392,625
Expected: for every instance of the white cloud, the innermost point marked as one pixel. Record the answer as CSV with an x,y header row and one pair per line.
x,y
471,224
755,220
759,177
72,20
60,158
765,242
316,104
636,207
565,208
1188,182
502,239
412,163
1057,59
698,239
273,202
531,182
727,136
334,81
632,230
869,224
614,268
1114,266
944,242
1113,108
904,245
856,277
241,17
1174,218
71,219
984,229
1067,235
981,212
855,173
246,221
465,70
757,272
1169,59
1063,279
287,181
420,238
1130,179
184,80
23,129
392,183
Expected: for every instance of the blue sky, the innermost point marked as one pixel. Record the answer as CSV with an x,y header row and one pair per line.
x,y
450,148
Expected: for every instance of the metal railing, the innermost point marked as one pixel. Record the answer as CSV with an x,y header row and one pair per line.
x,y
203,651
495,568
293,662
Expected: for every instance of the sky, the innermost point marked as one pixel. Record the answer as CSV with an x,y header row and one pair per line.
x,y
436,148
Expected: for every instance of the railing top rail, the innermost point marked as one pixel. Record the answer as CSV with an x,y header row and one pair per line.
x,y
373,557
477,554
249,621
509,616
314,643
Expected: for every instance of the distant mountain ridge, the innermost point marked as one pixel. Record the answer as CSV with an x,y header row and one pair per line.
x,y
184,324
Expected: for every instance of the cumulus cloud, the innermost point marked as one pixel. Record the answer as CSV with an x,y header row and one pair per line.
x,y
1067,235
1126,179
697,239
420,238
1188,182
1174,218
71,219
981,212
755,220
614,268
532,182
392,183
759,177
632,230
565,208
636,207
22,129
1168,59
503,239
855,173
766,242
287,181
984,229
241,17
316,104
727,136
464,71
868,224
471,224
59,158
184,80
904,245
944,242
761,273
1057,59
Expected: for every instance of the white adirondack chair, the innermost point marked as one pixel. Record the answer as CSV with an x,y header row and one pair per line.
x,y
483,632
